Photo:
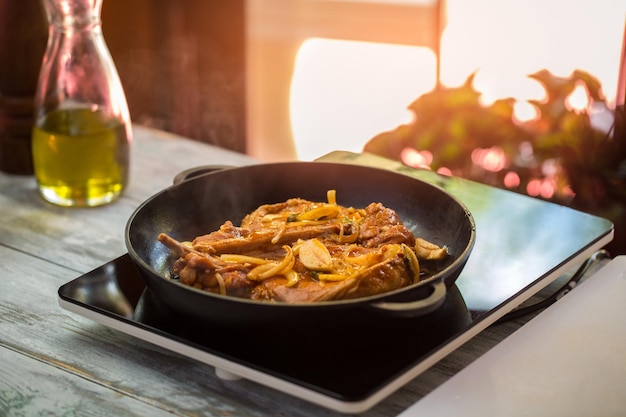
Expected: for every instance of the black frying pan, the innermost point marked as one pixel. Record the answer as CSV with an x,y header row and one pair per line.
x,y
201,204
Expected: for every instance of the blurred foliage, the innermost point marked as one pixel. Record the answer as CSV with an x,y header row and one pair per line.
x,y
451,123
583,165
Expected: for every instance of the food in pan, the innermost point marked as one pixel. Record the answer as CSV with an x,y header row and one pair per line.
x,y
305,251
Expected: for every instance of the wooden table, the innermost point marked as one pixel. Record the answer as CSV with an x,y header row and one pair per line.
x,y
53,362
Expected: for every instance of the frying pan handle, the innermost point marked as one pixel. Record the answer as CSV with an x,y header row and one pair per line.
x,y
197,171
419,307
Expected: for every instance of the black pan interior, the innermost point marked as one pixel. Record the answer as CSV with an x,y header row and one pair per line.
x,y
200,205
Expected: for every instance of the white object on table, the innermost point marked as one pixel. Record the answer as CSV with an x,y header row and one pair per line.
x,y
570,360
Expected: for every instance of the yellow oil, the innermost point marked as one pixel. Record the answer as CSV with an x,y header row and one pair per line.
x,y
80,157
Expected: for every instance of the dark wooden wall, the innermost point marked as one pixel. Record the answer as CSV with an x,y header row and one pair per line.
x,y
23,36
181,63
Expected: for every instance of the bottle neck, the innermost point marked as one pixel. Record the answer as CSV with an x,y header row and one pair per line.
x,y
74,26
73,14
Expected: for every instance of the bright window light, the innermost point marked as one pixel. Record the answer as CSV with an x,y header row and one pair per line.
x,y
345,92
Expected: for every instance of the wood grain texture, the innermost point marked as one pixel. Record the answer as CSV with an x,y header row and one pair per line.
x,y
29,387
182,65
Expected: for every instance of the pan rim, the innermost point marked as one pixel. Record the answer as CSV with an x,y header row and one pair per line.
x,y
456,264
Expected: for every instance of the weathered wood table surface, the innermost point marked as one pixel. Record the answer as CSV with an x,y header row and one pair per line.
x,y
54,362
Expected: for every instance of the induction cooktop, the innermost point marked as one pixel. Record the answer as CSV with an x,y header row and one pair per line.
x,y
522,245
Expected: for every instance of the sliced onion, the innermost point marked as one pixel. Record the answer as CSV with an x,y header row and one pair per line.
x,y
256,273
292,278
364,260
326,211
221,283
428,250
331,196
332,277
352,237
414,264
280,233
243,259
265,271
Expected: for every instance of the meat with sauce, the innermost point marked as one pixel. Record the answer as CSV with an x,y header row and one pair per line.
x,y
299,251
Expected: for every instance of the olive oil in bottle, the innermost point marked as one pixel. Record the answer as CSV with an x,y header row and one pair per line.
x,y
82,133
80,157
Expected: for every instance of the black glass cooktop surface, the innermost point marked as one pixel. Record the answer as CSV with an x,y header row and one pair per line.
x,y
349,365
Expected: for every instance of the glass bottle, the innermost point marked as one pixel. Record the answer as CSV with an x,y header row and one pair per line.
x,y
82,133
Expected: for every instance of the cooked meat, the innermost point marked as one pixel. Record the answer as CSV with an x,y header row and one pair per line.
x,y
250,240
302,251
379,278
